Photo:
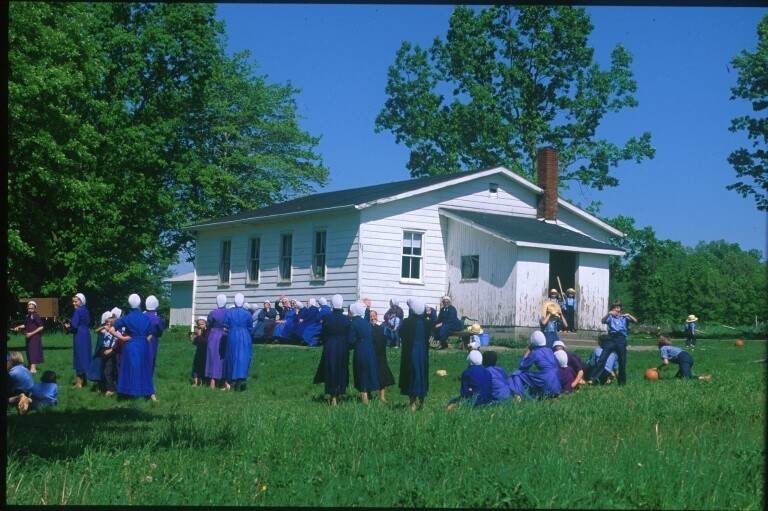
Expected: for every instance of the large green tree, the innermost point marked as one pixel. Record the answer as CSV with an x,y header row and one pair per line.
x,y
751,164
505,82
128,121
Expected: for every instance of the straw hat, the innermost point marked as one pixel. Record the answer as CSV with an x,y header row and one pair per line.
x,y
550,306
570,290
475,329
691,318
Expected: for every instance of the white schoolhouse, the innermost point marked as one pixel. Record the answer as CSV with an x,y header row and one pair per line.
x,y
492,240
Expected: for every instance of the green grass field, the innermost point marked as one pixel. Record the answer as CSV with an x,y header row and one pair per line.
x,y
651,445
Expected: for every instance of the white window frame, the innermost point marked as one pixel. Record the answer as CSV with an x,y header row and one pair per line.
x,y
225,262
253,259
317,254
281,277
411,257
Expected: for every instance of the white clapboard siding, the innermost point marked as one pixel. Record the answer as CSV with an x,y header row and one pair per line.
x,y
591,291
531,279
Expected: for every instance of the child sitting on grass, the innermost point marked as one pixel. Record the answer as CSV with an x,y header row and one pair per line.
x,y
677,356
611,364
499,387
45,393
20,381
476,385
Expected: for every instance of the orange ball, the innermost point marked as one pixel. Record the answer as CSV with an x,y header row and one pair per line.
x,y
651,374
739,343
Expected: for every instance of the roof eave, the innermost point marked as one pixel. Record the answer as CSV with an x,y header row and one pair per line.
x,y
580,212
269,218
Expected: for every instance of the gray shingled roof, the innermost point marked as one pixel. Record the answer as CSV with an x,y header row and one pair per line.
x,y
527,230
339,198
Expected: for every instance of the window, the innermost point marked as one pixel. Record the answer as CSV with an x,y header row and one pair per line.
x,y
412,254
318,256
224,262
493,190
286,248
470,267
254,253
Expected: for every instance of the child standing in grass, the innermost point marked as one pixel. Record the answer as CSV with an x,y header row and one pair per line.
x,y
109,355
617,322
679,356
199,338
690,331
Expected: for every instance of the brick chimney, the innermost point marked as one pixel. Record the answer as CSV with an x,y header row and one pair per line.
x,y
546,178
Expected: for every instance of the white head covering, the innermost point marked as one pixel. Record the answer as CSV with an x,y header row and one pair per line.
x,y
558,343
151,303
81,296
337,301
134,301
474,344
239,299
117,312
475,358
562,358
203,318
267,302
106,316
310,302
247,306
32,302
394,302
357,308
299,305
322,301
221,300
538,339
446,297
416,305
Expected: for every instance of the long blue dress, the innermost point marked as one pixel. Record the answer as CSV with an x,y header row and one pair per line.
x,y
135,375
81,340
312,326
333,369
157,332
364,363
284,329
263,318
476,385
237,360
214,361
414,357
542,383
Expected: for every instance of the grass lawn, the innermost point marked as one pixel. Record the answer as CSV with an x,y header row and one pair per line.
x,y
654,445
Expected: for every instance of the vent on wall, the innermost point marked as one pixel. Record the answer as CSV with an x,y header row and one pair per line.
x,y
493,190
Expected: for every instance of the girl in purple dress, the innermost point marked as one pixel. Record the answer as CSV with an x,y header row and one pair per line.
x,y
544,382
81,340
33,328
214,362
157,326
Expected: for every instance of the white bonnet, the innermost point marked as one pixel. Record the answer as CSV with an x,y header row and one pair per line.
x,y
416,305
323,301
538,339
203,318
357,308
106,316
239,299
446,297
475,358
151,303
221,300
81,296
134,301
394,302
337,301
310,302
32,302
562,358
117,312
558,343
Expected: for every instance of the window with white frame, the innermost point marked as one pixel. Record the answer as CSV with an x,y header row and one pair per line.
x,y
318,256
254,256
470,267
286,250
224,262
412,256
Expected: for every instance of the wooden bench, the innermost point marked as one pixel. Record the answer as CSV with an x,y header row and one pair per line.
x,y
462,335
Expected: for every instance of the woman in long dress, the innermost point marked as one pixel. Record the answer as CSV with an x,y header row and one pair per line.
x,y
364,364
81,340
333,369
414,358
33,332
214,362
238,324
151,304
386,378
544,382
135,374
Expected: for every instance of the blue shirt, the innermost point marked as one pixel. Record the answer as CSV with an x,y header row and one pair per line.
x,y
21,379
45,393
611,364
690,328
670,353
617,325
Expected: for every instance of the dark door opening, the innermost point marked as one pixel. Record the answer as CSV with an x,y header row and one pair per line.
x,y
563,265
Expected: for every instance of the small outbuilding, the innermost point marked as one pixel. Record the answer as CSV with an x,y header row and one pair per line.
x,y
492,240
181,299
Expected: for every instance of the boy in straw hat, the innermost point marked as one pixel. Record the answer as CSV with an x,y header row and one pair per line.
x,y
690,331
570,309
551,317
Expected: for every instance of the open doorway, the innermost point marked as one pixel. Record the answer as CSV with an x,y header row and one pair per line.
x,y
562,265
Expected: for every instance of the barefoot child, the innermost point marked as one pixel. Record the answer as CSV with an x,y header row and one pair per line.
x,y
45,393
109,359
677,356
199,338
690,331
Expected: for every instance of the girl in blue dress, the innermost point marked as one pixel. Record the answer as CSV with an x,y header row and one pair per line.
x,y
333,369
238,324
135,374
81,340
543,382
364,364
151,305
414,358
214,361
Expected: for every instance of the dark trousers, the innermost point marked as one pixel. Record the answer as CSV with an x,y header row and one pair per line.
x,y
690,340
615,344
109,373
685,361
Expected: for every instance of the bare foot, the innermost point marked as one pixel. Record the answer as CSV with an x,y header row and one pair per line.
x,y
706,378
109,393
153,398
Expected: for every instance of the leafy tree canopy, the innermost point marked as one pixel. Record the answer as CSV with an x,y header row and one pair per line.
x,y
751,164
129,121
505,82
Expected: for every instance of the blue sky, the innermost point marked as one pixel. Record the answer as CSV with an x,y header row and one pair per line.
x,y
338,56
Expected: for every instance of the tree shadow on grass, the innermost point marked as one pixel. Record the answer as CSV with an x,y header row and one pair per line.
x,y
22,349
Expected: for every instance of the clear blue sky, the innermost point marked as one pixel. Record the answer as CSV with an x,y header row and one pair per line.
x,y
338,56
